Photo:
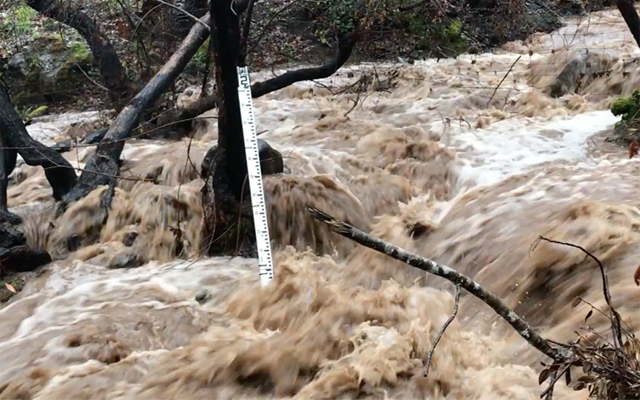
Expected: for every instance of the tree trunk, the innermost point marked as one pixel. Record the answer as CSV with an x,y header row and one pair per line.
x,y
346,45
228,227
8,158
630,15
111,70
104,166
58,171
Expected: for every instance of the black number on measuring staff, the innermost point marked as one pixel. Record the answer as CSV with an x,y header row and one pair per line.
x,y
244,81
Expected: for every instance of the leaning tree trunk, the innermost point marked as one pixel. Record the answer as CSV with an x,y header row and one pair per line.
x,y
228,227
104,166
58,171
630,15
111,70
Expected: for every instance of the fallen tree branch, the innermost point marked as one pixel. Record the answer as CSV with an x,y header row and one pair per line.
x,y
521,326
259,89
105,162
444,328
503,78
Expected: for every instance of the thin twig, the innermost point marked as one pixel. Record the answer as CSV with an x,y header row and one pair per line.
x,y
616,326
521,326
444,328
503,78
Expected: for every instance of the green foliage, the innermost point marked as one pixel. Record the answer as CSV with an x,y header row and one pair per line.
x,y
627,107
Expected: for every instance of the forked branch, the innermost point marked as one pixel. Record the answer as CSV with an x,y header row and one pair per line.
x,y
453,276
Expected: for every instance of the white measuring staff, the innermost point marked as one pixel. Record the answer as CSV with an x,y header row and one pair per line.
x,y
265,261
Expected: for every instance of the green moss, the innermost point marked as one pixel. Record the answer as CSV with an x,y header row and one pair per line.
x,y
81,53
626,107
623,105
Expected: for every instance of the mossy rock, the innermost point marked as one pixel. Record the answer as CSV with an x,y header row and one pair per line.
x,y
50,69
628,128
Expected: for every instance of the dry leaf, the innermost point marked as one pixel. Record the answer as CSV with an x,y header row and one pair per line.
x,y
576,302
543,376
636,277
589,314
579,386
10,288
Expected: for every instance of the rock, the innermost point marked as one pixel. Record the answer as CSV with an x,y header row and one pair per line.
x,y
203,296
22,259
10,236
130,239
126,260
582,68
47,70
95,137
62,147
270,160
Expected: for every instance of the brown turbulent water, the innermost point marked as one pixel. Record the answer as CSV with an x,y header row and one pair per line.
x,y
428,165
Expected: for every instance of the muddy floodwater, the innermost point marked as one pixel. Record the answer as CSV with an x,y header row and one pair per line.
x,y
440,158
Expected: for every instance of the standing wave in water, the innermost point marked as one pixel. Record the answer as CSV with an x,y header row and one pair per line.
x,y
443,165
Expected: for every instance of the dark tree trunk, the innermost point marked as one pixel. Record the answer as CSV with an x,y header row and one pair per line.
x,y
8,159
104,166
228,227
630,15
111,70
346,45
58,171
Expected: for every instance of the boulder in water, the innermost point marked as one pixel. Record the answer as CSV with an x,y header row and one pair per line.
x,y
22,259
95,137
270,160
582,68
48,69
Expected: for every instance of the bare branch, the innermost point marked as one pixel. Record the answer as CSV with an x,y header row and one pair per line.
x,y
503,78
616,325
444,328
521,326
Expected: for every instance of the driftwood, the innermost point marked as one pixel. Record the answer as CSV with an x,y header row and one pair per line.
x,y
520,325
103,167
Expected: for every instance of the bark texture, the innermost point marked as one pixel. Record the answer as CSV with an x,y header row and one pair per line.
x,y
228,227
